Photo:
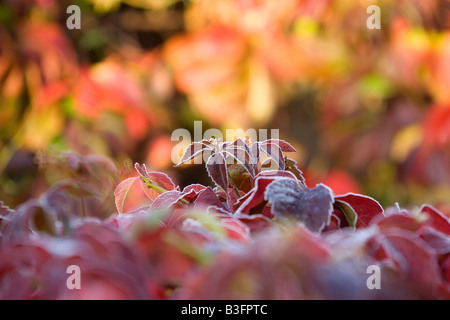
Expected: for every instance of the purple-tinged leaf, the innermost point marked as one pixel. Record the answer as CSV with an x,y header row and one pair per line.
x,y
236,144
162,180
231,198
166,200
208,198
365,208
29,219
312,206
5,216
279,174
284,146
416,261
4,210
142,170
255,154
439,241
94,165
242,157
195,149
192,191
217,170
121,192
67,199
256,196
273,150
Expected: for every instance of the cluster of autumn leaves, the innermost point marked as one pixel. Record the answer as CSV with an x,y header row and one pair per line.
x,y
259,233
375,100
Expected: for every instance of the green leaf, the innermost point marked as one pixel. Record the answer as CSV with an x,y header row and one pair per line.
x,y
348,212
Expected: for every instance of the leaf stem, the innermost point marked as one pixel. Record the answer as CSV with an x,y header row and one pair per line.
x,y
234,185
149,184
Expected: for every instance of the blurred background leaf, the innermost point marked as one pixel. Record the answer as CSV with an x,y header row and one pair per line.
x,y
368,110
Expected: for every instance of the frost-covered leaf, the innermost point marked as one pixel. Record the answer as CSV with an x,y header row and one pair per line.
x,y
238,143
154,183
437,240
397,220
208,198
166,200
121,192
256,196
284,146
436,219
312,206
365,208
191,191
5,210
273,150
235,229
349,214
255,153
243,157
195,149
416,261
217,170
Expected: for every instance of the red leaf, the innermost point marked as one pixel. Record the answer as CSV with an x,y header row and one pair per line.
x,y
365,207
208,198
236,230
161,180
436,219
255,222
217,170
437,240
397,220
256,196
417,262
191,191
121,192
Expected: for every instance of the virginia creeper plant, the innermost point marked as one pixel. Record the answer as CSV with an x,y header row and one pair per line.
x,y
257,232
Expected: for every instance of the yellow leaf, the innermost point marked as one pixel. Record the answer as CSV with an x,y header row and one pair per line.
x,y
405,141
41,127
